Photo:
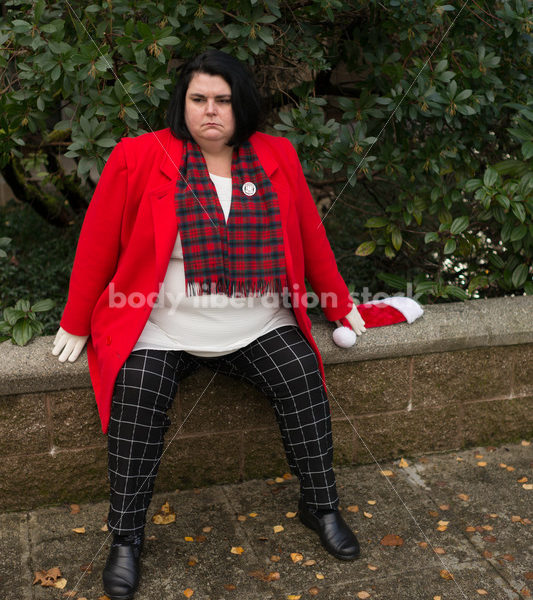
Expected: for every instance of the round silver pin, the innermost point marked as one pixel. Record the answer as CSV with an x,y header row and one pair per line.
x,y
249,188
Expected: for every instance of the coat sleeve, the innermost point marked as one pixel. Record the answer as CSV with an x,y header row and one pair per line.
x,y
98,245
320,265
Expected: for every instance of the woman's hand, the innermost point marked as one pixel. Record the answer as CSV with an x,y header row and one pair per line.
x,y
68,344
356,321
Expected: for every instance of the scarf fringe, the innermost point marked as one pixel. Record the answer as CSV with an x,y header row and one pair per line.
x,y
237,289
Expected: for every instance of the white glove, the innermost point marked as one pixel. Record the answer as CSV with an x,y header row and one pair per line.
x,y
70,345
356,321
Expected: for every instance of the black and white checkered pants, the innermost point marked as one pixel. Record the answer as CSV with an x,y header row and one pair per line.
x,y
280,363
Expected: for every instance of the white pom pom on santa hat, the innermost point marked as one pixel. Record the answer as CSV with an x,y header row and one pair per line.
x,y
378,313
344,337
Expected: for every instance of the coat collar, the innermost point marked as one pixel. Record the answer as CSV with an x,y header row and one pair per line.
x,y
173,149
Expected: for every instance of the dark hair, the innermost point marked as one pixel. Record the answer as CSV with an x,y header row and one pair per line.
x,y
245,99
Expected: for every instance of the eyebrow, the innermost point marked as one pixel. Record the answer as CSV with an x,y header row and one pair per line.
x,y
198,95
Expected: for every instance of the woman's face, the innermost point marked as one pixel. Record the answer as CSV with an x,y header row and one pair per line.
x,y
208,111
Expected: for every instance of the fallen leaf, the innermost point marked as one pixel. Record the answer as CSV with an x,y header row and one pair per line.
x,y
165,515
529,575
459,459
487,554
527,486
309,563
296,557
522,479
200,538
525,592
470,529
526,521
433,513
503,465
277,528
206,529
437,597
446,574
354,508
423,544
104,527
237,550
510,469
314,591
273,576
478,455
188,538
489,538
60,583
104,597
188,592
275,558
442,528
487,527
392,540
372,567
493,515
279,480
363,595
403,463
253,515
482,592
367,515
82,598
69,594
74,509
525,443
241,518
439,550
516,519
371,502
481,463
230,586
464,497
290,515
444,507
79,530
87,568
319,576
508,557
192,561
443,523
47,578
294,597
387,473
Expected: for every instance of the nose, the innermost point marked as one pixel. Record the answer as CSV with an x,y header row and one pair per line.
x,y
211,106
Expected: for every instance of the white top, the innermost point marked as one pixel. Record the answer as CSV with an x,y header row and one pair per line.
x,y
208,325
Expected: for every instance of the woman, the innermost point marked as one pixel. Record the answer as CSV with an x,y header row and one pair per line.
x,y
195,238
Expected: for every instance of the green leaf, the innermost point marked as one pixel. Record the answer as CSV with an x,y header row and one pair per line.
x,y
479,281
22,333
12,315
431,236
472,185
396,282
449,246
459,225
43,305
519,275
366,248
490,177
375,222
527,150
518,232
456,292
396,239
519,211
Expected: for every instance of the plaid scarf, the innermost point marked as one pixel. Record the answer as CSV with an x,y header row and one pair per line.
x,y
243,257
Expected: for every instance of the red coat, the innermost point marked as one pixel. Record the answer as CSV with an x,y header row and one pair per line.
x,y
129,232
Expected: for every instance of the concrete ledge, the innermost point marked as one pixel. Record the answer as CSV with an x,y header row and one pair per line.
x,y
442,328
461,375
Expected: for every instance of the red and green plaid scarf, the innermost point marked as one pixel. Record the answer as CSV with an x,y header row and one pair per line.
x,y
243,257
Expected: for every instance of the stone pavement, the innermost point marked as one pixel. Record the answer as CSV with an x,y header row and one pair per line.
x,y
464,513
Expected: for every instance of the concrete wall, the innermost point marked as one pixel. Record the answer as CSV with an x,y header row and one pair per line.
x,y
461,375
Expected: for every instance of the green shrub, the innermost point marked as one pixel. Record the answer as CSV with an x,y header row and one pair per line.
x,y
413,119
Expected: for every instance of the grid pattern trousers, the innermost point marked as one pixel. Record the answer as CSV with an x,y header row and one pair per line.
x,y
281,364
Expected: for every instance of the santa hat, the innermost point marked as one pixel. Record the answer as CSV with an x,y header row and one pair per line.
x,y
378,313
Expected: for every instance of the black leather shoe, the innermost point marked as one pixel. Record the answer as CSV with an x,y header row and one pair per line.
x,y
336,537
121,571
